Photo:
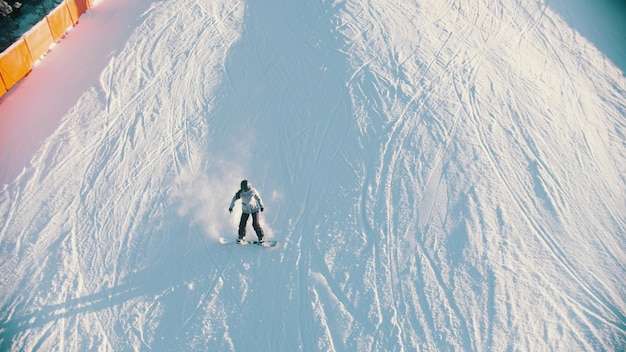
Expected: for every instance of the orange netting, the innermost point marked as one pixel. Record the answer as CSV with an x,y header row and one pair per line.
x,y
17,60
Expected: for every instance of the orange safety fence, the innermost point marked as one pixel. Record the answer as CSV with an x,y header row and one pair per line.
x,y
17,60
39,39
59,21
15,63
3,88
77,8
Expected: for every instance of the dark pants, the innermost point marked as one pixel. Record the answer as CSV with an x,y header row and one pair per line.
x,y
255,225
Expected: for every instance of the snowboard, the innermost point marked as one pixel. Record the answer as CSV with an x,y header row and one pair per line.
x,y
266,243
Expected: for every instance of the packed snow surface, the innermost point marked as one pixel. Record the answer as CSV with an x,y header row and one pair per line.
x,y
441,175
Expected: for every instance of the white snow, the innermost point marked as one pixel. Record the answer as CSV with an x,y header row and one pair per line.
x,y
442,175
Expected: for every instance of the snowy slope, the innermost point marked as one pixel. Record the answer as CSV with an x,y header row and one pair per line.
x,y
441,176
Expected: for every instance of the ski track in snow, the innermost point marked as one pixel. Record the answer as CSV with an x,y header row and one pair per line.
x,y
441,176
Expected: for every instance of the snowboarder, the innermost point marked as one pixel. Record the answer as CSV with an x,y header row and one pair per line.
x,y
251,204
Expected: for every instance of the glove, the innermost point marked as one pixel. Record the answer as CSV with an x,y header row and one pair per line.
x,y
262,209
230,210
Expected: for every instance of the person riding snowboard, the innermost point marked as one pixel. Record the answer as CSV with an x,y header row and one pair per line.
x,y
251,204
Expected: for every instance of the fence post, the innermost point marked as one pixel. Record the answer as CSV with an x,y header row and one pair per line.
x,y
3,88
38,39
15,63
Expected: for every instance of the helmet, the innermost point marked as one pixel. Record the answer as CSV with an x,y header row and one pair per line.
x,y
245,185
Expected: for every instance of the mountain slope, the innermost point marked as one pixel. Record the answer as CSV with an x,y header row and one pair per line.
x,y
442,176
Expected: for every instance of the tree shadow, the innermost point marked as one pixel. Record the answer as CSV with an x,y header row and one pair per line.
x,y
602,22
285,119
286,103
156,281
